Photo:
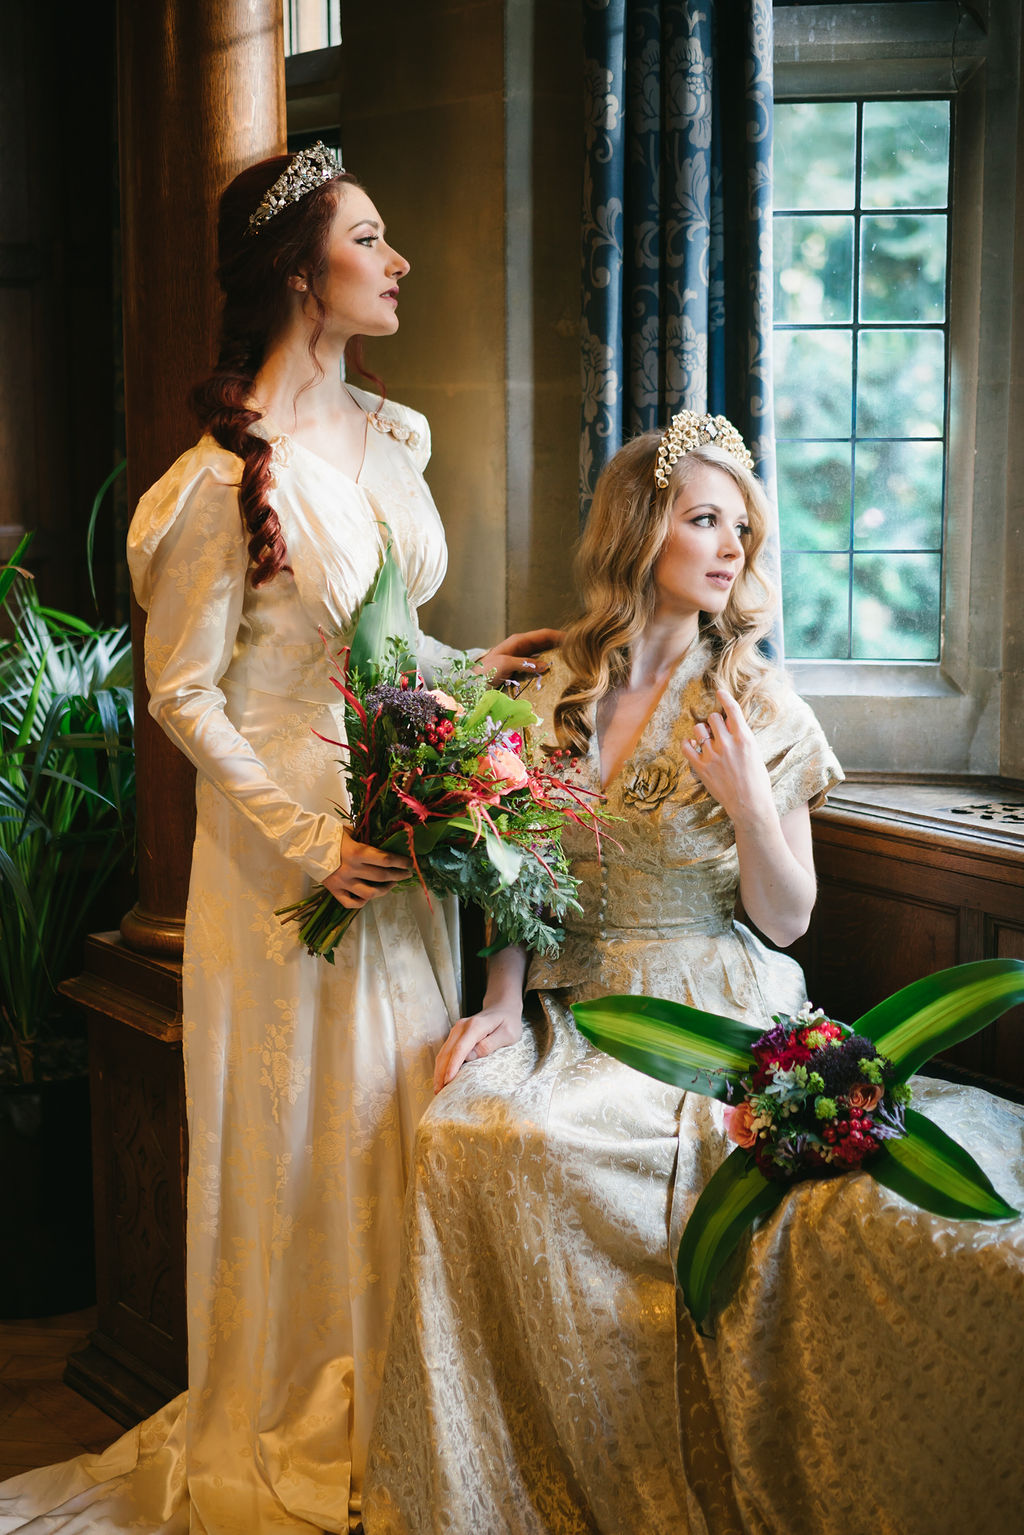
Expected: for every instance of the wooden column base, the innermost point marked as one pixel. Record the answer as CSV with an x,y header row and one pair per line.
x,y
135,1359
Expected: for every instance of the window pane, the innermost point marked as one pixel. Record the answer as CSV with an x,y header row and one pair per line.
x,y
900,383
903,267
814,494
815,599
814,269
825,177
898,495
906,154
814,383
895,607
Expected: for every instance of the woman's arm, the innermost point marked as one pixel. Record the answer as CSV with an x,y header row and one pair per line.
x,y
777,885
194,581
499,1022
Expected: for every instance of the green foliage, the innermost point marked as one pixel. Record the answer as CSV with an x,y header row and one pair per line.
x,y
67,794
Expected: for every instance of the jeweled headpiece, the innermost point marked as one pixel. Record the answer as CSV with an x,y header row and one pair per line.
x,y
305,171
689,430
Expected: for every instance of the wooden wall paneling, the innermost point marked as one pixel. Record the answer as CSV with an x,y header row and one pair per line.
x,y
1005,940
898,900
136,1357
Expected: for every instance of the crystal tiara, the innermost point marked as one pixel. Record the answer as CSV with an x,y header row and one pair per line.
x,y
305,171
689,430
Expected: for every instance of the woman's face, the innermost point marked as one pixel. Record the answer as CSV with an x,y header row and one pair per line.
x,y
704,552
360,286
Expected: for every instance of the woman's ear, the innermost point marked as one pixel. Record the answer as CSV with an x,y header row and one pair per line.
x,y
298,283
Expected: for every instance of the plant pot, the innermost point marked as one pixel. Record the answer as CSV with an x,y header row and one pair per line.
x,y
48,1265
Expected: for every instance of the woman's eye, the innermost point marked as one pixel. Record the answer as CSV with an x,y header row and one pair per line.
x,y
743,529
368,239
705,520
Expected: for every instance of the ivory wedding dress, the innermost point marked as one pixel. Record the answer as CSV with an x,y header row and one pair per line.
x,y
866,1372
305,1081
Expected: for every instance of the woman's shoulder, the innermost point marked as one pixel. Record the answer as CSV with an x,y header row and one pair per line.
x,y
204,478
544,692
404,425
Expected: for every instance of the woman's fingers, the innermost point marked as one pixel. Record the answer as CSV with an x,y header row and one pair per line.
x,y
734,716
455,1051
480,1035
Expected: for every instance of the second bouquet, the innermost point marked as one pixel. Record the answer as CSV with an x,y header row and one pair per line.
x,y
440,774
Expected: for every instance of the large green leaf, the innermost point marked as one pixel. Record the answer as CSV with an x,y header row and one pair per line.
x,y
383,616
932,1170
9,572
731,1201
702,1052
511,713
937,1012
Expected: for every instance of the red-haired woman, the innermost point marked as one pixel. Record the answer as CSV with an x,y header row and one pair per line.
x,y
305,1080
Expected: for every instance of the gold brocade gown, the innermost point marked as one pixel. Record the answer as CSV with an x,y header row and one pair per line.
x,y
543,1378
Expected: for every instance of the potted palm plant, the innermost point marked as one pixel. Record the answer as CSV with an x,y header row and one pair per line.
x,y
66,832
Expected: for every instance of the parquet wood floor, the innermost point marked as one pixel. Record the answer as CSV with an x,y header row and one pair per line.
x,y
41,1419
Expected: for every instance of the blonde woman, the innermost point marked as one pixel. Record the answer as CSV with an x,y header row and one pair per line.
x,y
533,1363
543,1377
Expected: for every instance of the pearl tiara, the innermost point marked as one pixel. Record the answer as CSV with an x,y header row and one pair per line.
x,y
689,430
308,169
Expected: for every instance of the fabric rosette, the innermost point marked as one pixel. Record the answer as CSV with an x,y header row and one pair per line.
x,y
813,1098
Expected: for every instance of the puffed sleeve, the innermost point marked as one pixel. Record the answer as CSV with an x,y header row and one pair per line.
x,y
188,561
801,764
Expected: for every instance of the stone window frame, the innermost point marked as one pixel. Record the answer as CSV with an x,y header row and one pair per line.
x,y
943,716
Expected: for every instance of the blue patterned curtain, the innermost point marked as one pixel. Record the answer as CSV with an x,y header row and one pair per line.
x,y
677,211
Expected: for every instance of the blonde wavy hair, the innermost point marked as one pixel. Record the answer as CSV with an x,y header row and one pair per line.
x,y
614,568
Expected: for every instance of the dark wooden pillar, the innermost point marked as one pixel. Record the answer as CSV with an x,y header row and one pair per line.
x,y
200,95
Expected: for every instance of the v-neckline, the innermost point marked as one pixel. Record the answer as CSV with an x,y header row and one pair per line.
x,y
668,685
276,435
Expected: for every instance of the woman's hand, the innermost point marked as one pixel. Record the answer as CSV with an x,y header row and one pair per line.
x,y
472,1038
498,1023
724,755
776,858
510,658
364,872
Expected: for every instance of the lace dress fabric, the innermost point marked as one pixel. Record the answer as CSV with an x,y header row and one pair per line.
x,y
305,1081
543,1378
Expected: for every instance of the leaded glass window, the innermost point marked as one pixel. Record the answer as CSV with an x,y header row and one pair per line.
x,y
861,370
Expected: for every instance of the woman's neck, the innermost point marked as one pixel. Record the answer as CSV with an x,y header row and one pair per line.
x,y
656,653
290,390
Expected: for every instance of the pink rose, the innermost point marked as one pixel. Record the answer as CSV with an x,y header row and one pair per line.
x,y
738,1125
446,701
508,769
865,1096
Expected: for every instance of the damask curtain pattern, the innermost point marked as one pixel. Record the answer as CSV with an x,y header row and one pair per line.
x,y
676,221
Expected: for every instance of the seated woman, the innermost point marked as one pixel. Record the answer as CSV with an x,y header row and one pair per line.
x,y
543,1377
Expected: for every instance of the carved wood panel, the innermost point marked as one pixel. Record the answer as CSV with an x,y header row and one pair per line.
x,y
898,901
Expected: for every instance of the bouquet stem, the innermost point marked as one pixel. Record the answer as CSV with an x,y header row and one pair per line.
x,y
322,921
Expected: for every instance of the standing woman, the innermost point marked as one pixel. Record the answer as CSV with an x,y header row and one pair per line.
x,y
305,1080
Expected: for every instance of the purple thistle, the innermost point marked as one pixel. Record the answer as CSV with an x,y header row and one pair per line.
x,y
410,710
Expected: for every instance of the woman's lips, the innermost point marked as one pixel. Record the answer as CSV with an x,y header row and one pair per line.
x,y
722,578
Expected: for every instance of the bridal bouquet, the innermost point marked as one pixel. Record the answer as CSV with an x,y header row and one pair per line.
x,y
439,774
813,1098
820,1099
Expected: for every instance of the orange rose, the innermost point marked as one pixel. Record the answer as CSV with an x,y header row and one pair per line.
x,y
738,1125
866,1096
506,768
